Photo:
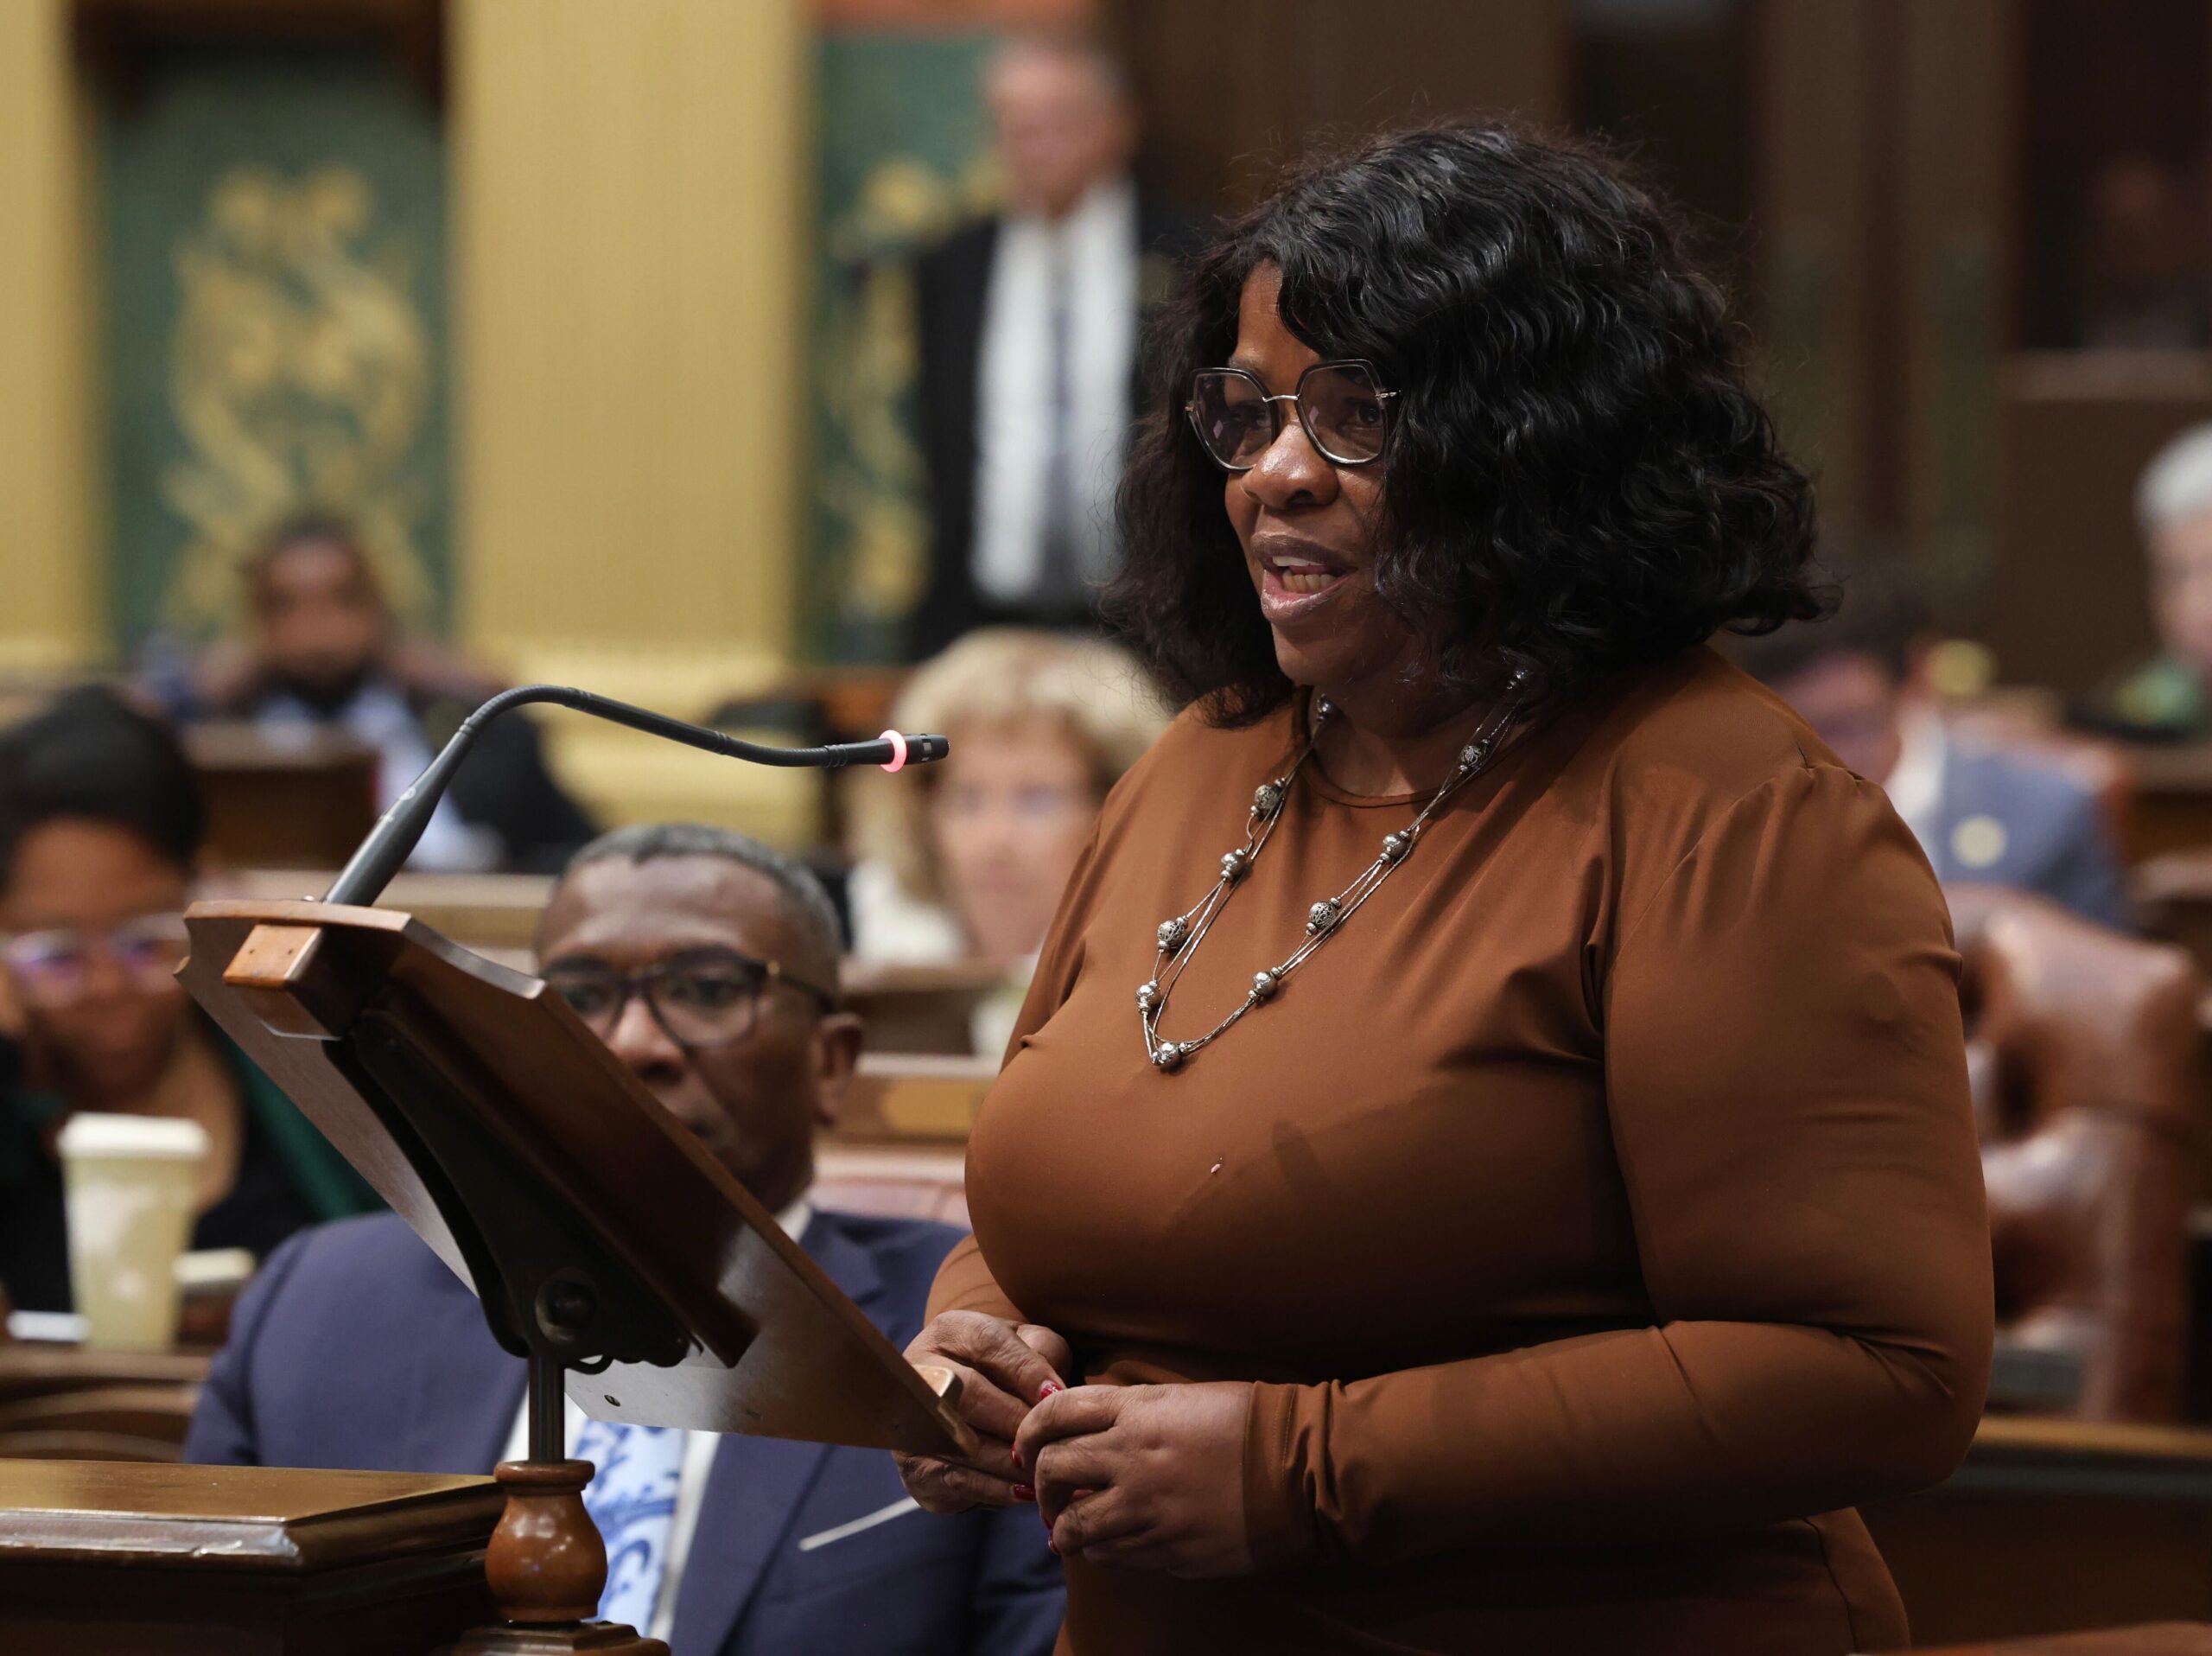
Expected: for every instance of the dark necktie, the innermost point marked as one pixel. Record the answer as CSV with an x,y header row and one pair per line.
x,y
1059,556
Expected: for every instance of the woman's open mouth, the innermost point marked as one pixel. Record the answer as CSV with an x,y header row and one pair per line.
x,y
1294,582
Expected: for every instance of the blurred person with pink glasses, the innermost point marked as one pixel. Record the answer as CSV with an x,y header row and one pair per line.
x,y
100,829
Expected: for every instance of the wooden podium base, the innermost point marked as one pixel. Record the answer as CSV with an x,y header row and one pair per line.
x,y
547,1567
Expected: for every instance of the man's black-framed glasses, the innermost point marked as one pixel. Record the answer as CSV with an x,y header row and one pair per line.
x,y
1342,405
700,997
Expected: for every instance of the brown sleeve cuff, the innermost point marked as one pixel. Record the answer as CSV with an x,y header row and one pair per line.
x,y
964,1282
1278,1505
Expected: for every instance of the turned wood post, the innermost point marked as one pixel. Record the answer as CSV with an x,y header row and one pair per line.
x,y
546,1562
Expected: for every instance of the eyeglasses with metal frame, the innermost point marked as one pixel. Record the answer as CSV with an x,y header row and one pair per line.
x,y
1342,406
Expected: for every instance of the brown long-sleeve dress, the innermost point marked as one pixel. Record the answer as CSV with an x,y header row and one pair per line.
x,y
1598,1211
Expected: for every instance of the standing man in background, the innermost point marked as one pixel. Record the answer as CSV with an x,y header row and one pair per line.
x,y
1029,323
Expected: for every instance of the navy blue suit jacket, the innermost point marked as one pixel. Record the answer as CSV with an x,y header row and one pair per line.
x,y
355,1346
2051,835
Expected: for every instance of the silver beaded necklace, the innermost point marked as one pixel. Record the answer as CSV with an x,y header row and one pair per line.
x,y
1179,938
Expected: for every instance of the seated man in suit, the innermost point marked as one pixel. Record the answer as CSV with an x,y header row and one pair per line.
x,y
1981,813
323,650
710,966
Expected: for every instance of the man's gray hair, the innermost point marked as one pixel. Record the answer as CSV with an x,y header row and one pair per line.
x,y
2176,485
1113,75
811,909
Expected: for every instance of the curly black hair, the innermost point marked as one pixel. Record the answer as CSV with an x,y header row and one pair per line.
x,y
1882,611
1578,479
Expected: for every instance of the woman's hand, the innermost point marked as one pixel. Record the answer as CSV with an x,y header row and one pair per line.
x,y
1143,1477
1004,1368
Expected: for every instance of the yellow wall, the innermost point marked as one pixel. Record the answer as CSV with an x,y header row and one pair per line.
x,y
629,185
49,589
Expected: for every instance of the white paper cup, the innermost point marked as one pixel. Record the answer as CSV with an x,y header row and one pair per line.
x,y
129,1183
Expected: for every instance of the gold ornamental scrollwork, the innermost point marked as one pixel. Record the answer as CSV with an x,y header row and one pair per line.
x,y
300,378
871,482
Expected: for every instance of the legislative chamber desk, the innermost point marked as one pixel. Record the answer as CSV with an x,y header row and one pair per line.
x,y
35,1368
98,1558
2056,1526
295,800
2172,809
2166,1639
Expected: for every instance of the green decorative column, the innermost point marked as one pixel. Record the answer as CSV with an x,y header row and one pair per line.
x,y
902,159
274,253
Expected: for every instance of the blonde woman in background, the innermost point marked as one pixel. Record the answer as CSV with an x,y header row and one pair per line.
x,y
967,859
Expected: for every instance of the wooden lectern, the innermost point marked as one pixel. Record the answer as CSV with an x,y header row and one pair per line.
x,y
162,1560
607,1249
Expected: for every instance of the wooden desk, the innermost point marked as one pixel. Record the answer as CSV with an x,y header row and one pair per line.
x,y
281,804
908,1097
239,1560
2163,1639
922,1009
36,1369
2166,1639
899,1149
2172,894
890,1181
59,1402
2056,1527
2172,806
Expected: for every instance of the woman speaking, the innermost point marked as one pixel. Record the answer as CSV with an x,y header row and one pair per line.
x,y
1485,1162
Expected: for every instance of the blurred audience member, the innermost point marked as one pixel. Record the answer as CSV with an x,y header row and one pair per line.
x,y
100,825
967,858
324,651
1980,813
2148,289
2165,696
1029,325
708,964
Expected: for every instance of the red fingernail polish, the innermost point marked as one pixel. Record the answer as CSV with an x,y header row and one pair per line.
x,y
1048,1388
1054,1545
1016,1450
1023,1491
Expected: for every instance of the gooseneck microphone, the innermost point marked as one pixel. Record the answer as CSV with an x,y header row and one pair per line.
x,y
386,849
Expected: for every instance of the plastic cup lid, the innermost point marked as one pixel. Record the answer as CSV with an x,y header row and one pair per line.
x,y
154,1137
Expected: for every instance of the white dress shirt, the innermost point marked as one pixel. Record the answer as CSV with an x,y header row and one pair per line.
x,y
691,1477
1915,783
1096,247
890,925
378,717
